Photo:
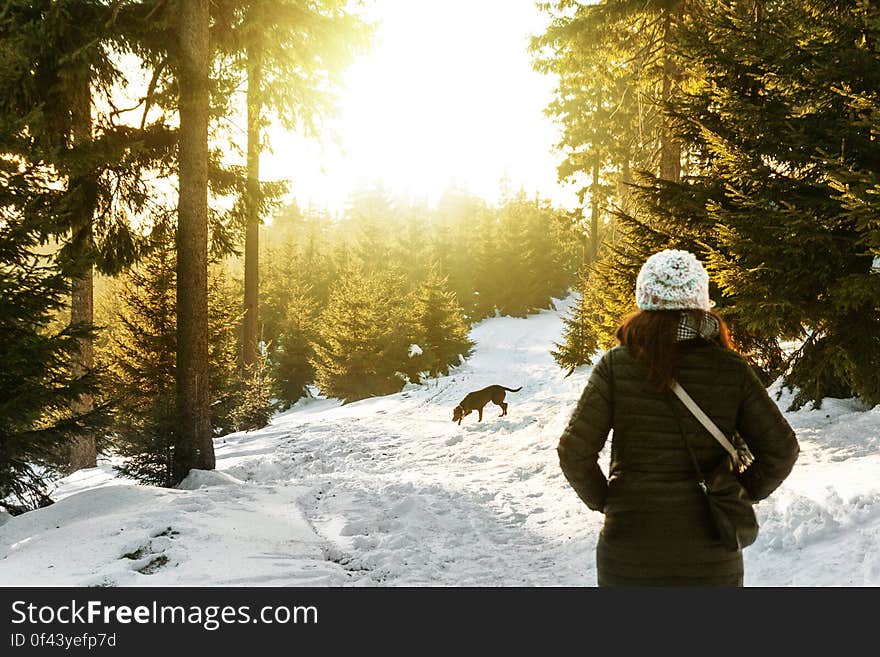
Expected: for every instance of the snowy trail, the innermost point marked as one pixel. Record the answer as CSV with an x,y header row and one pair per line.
x,y
405,496
389,491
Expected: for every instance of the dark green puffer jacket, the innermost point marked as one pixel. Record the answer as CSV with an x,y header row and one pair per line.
x,y
657,527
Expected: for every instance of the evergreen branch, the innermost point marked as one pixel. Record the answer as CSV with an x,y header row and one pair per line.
x,y
783,368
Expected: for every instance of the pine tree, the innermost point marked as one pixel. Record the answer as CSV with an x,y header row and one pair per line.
x,y
464,230
781,129
531,258
519,287
578,343
439,327
369,221
141,359
296,280
606,293
37,385
253,393
59,71
292,351
229,382
362,347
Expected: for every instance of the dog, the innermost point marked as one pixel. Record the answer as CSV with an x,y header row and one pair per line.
x,y
474,401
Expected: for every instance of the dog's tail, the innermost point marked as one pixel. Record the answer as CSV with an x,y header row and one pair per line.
x,y
512,389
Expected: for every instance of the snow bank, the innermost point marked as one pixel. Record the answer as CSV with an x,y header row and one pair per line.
x,y
128,535
201,478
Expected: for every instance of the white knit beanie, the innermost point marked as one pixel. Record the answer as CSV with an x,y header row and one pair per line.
x,y
673,280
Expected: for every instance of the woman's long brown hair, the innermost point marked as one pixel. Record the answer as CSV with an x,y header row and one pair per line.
x,y
650,337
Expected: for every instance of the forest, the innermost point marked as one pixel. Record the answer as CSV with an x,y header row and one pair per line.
x,y
158,293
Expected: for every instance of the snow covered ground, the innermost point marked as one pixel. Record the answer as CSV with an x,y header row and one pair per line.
x,y
389,491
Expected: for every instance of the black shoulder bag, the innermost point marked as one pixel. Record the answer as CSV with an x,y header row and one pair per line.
x,y
729,504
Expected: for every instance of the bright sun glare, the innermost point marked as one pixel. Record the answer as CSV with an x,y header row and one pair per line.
x,y
446,97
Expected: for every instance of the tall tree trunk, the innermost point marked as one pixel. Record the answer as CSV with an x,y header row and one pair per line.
x,y
670,146
83,453
594,213
252,232
594,195
195,448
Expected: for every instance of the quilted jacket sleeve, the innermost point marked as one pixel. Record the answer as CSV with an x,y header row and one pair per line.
x,y
769,437
585,436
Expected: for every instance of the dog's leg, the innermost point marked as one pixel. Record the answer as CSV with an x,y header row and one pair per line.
x,y
503,406
481,414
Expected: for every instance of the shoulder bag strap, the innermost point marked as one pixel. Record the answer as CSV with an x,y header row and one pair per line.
x,y
703,419
739,457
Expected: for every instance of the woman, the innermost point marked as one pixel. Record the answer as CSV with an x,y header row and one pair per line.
x,y
658,530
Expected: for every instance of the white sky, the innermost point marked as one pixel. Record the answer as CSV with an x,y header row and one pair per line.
x,y
446,96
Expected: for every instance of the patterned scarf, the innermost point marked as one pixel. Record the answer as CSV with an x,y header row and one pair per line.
x,y
703,325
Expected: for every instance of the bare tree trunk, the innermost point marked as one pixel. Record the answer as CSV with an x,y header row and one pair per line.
x,y
83,453
195,448
670,146
252,232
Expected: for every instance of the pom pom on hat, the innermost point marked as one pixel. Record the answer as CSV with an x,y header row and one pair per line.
x,y
673,280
